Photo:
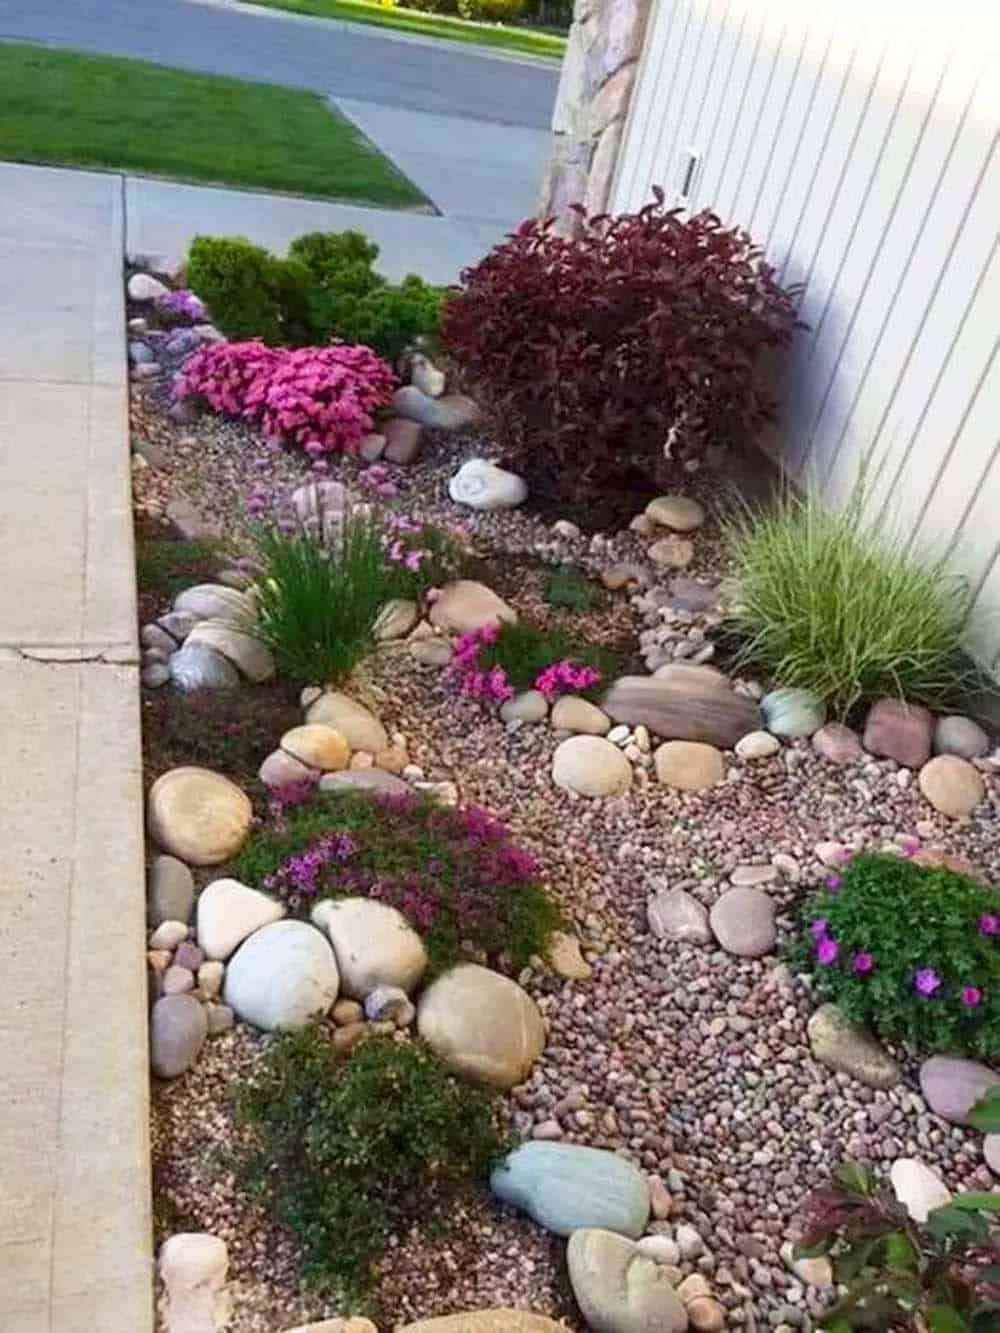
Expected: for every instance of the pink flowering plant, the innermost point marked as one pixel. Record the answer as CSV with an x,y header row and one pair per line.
x,y
455,873
493,663
323,399
428,555
909,951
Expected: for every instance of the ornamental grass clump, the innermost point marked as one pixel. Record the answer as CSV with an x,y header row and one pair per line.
x,y
495,662
911,952
346,1152
833,603
455,873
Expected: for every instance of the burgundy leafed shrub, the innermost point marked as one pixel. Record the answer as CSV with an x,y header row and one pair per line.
x,y
321,398
594,351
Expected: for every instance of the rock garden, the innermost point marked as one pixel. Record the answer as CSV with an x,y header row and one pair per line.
x,y
572,856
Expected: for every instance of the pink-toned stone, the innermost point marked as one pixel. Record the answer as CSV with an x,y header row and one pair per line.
x,y
899,731
837,743
402,440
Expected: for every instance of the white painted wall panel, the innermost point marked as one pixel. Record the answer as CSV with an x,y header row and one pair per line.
x,y
859,144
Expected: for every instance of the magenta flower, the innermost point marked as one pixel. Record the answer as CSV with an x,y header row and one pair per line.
x,y
909,845
827,950
833,883
989,924
926,981
972,997
863,964
819,928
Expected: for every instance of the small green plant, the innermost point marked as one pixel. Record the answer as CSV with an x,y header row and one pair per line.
x,y
495,662
985,1115
249,292
941,1276
454,873
911,952
567,587
348,1152
318,599
165,568
829,601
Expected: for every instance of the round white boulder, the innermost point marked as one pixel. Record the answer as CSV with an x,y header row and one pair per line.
x,y
229,912
373,943
483,485
282,977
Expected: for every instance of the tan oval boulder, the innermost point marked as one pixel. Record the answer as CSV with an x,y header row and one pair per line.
x,y
198,816
317,745
482,1025
571,713
678,512
466,605
619,1289
591,766
689,765
373,943
952,785
359,727
487,1321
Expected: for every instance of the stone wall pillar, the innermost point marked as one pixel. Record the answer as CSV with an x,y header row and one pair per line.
x,y
599,69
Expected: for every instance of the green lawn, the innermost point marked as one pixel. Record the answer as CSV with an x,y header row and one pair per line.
x,y
525,41
95,111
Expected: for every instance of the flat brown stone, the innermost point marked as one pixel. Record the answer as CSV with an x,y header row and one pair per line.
x,y
678,713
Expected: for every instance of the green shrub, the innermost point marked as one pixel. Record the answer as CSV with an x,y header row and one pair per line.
x,y
249,293
326,290
319,600
909,951
346,1153
454,873
830,601
567,587
491,11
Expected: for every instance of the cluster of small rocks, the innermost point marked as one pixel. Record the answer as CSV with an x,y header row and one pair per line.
x,y
208,641
156,352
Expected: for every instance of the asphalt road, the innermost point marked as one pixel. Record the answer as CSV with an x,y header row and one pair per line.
x,y
345,60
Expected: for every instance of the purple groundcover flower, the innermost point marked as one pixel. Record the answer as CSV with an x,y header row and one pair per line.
x,y
863,964
972,997
833,883
926,981
819,928
989,924
827,950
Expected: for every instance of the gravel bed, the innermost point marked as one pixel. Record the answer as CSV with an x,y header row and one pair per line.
x,y
693,1062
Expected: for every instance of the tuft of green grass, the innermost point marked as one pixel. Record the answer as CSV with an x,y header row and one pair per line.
x,y
166,568
523,41
63,107
567,587
318,599
345,1153
831,602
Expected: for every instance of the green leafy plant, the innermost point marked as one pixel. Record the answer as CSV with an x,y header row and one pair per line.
x,y
318,597
833,602
455,874
911,952
938,1277
985,1115
249,292
567,587
348,1152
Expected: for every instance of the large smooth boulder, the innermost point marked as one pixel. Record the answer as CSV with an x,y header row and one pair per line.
x,y
483,485
952,1085
144,287
466,605
198,666
214,601
250,655
961,736
452,412
571,713
357,724
565,1187
482,1025
177,1031
952,785
591,766
192,1267
895,730
677,712
839,1045
678,512
282,977
198,816
673,914
487,1321
689,765
838,744
229,912
318,746
792,712
373,943
743,921
619,1289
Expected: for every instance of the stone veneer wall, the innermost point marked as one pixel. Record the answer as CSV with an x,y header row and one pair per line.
x,y
598,72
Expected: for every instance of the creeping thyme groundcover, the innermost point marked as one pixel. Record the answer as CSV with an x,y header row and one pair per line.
x,y
909,951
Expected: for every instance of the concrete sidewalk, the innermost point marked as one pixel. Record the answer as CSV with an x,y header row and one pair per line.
x,y
74,1159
